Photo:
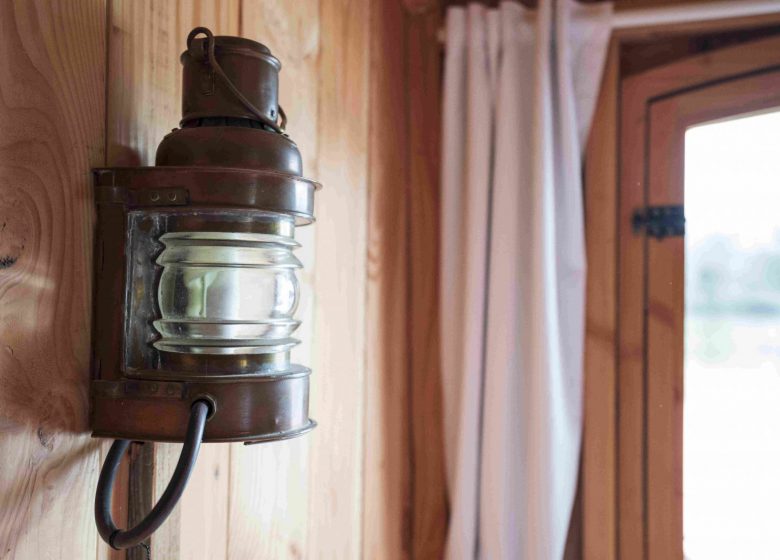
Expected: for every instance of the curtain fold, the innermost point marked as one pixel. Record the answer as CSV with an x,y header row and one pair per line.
x,y
519,93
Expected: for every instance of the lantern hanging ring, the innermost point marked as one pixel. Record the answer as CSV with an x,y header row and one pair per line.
x,y
211,59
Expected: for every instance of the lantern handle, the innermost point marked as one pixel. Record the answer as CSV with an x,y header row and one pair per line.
x,y
118,538
211,58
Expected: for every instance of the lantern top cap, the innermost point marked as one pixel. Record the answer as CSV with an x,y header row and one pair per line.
x,y
230,78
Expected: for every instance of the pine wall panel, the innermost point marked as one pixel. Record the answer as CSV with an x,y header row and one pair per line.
x,y
89,83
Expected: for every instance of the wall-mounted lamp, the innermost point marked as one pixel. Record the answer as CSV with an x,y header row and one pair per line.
x,y
195,277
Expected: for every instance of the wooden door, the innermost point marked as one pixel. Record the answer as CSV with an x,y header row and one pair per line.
x,y
669,119
659,106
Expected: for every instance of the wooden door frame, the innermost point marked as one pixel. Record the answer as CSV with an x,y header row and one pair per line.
x,y
668,120
614,514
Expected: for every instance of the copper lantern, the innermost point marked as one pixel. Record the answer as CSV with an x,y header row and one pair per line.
x,y
195,275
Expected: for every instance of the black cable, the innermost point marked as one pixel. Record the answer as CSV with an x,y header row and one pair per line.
x,y
163,508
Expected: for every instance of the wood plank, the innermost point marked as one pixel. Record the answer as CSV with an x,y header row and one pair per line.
x,y
405,495
599,450
54,67
139,484
204,516
269,483
429,493
707,67
665,335
631,294
268,491
387,466
144,103
336,474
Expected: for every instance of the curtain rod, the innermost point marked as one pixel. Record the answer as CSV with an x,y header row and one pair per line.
x,y
720,9
665,15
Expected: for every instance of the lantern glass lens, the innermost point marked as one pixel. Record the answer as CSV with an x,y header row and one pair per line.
x,y
209,283
223,286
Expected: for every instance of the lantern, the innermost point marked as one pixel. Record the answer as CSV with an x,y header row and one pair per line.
x,y
195,275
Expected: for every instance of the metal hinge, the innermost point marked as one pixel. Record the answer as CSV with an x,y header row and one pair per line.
x,y
660,221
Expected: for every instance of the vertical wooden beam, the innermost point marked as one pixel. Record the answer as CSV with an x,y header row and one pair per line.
x,y
52,111
423,114
599,458
631,301
387,463
204,506
665,305
139,481
405,495
337,398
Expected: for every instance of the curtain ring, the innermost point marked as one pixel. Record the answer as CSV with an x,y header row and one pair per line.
x,y
108,531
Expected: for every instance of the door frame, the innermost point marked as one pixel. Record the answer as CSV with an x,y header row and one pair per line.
x,y
615,510
668,119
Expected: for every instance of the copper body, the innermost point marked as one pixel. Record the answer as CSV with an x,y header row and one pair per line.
x,y
230,156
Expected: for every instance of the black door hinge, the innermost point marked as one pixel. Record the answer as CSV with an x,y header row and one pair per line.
x,y
660,221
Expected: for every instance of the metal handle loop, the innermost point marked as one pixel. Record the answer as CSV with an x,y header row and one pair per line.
x,y
117,538
210,57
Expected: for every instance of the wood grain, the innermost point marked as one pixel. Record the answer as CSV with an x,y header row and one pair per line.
x,y
48,146
631,293
665,291
387,462
405,496
405,499
423,97
138,479
337,398
53,66
204,516
599,472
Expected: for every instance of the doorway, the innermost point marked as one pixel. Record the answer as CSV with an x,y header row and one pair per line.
x,y
679,455
731,410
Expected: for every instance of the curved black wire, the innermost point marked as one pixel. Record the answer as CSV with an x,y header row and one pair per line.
x,y
162,509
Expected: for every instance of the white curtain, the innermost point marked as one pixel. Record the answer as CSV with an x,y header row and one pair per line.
x,y
519,93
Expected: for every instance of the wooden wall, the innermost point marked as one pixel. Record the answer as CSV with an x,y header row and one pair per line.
x,y
52,130
406,503
87,83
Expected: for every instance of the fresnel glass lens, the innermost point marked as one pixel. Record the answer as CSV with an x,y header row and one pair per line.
x,y
228,292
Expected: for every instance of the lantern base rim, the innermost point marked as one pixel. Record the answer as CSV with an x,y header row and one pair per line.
x,y
246,440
